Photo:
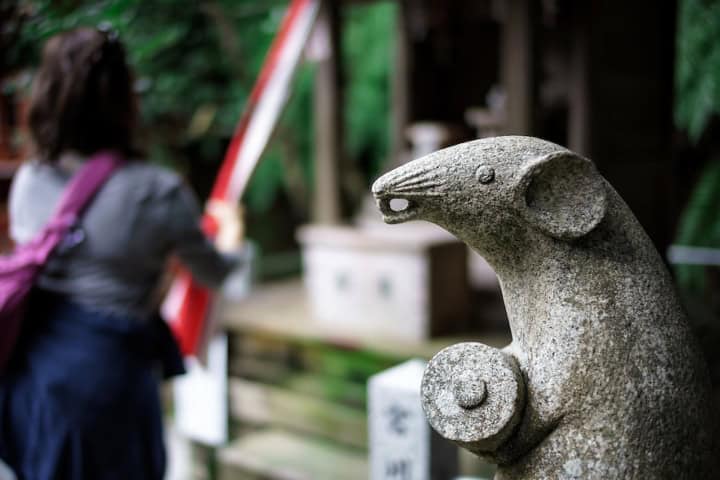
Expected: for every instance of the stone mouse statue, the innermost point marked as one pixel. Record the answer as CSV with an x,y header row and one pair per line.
x,y
602,379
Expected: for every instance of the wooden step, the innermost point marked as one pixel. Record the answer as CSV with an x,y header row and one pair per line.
x,y
333,389
347,362
280,455
265,405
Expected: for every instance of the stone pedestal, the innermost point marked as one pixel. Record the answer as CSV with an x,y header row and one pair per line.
x,y
402,444
409,284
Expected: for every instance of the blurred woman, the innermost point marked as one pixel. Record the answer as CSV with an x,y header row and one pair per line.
x,y
80,400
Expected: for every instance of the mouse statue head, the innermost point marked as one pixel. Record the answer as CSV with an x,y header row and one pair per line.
x,y
490,190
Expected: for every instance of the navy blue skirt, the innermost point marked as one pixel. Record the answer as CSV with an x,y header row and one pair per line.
x,y
80,400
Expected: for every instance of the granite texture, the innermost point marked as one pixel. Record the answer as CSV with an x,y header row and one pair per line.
x,y
603,379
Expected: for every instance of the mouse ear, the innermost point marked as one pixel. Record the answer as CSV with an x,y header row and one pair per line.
x,y
562,195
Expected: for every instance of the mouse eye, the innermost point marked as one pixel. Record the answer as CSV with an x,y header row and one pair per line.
x,y
485,174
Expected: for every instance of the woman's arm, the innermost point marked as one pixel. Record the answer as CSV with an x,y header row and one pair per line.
x,y
208,265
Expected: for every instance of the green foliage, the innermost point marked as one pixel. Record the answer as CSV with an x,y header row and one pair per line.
x,y
196,63
367,49
700,225
697,75
697,82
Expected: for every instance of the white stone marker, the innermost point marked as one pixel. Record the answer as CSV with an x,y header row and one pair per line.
x,y
402,444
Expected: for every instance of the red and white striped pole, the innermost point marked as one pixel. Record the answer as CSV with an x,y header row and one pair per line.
x,y
188,304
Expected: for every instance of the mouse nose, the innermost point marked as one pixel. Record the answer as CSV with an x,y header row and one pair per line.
x,y
379,187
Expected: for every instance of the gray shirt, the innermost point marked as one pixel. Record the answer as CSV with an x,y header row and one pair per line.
x,y
114,258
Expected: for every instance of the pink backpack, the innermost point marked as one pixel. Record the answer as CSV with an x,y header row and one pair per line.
x,y
19,270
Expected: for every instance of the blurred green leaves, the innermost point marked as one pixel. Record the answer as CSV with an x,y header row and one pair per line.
x,y
368,52
195,65
697,100
697,71
187,69
700,225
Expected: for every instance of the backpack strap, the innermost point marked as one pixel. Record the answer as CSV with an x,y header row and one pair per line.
x,y
85,184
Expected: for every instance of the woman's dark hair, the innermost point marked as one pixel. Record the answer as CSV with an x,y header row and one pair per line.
x,y
82,96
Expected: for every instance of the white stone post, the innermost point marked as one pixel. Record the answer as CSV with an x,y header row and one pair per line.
x,y
402,444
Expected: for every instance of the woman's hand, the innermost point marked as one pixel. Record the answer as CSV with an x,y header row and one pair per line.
x,y
231,225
